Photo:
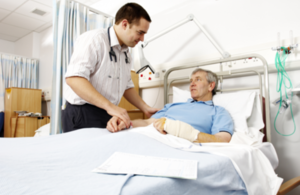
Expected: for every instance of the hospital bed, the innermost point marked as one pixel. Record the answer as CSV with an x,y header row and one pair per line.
x,y
229,74
63,164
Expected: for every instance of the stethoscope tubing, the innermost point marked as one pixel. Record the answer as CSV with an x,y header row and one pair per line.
x,y
112,52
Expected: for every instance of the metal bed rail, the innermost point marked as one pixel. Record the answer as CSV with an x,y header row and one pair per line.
x,y
220,75
227,75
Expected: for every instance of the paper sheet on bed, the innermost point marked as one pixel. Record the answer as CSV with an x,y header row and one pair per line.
x,y
126,163
250,162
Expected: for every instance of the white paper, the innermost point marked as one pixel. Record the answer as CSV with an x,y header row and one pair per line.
x,y
125,163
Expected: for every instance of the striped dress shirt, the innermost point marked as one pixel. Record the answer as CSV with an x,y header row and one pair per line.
x,y
91,60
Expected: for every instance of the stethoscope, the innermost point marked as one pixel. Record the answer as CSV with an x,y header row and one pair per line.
x,y
112,52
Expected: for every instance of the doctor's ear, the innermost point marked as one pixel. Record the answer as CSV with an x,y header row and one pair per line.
x,y
124,24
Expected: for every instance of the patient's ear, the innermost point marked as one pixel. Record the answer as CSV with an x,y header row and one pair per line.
x,y
211,86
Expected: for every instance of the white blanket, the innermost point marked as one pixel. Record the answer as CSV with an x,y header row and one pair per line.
x,y
254,162
252,165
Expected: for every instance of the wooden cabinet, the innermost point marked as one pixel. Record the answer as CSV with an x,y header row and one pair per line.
x,y
48,119
124,103
133,112
18,99
41,121
26,126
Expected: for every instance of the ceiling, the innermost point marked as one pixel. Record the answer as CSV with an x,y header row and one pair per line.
x,y
17,19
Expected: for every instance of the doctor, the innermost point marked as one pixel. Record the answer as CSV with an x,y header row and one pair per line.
x,y
99,73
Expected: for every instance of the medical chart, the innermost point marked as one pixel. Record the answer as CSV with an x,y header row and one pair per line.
x,y
125,163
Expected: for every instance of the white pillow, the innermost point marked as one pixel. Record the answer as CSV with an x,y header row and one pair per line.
x,y
242,106
43,131
180,95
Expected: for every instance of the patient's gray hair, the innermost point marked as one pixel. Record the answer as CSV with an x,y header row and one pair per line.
x,y
210,77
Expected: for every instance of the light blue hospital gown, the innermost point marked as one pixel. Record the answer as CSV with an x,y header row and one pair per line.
x,y
203,116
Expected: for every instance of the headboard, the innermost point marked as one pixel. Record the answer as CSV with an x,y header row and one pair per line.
x,y
232,74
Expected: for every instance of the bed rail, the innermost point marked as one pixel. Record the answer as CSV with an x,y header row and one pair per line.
x,y
227,75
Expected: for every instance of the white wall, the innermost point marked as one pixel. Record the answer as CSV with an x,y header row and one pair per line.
x,y
35,45
7,46
240,27
23,46
28,46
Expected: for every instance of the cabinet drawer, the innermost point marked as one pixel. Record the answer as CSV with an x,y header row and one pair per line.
x,y
41,121
26,126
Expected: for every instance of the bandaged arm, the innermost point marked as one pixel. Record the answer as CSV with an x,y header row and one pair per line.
x,y
186,131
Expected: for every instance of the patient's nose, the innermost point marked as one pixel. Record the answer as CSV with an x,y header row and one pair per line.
x,y
192,83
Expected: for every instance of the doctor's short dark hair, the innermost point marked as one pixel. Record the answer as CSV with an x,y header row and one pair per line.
x,y
210,77
132,12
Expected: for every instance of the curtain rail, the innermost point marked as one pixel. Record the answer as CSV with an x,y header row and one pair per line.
x,y
2,53
94,10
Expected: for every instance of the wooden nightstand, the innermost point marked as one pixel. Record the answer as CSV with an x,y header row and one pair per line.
x,y
135,114
27,126
17,99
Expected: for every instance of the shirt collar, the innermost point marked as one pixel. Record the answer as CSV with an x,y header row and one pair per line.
x,y
209,103
114,40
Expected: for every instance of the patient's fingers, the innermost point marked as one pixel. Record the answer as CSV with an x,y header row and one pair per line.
x,y
112,124
162,131
157,126
109,127
121,125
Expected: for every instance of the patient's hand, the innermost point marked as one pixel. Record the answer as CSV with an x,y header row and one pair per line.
x,y
159,125
115,124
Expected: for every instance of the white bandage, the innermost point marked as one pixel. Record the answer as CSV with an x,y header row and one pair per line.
x,y
181,129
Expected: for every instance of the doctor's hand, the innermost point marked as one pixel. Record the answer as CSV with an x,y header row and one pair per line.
x,y
120,113
149,111
159,125
115,124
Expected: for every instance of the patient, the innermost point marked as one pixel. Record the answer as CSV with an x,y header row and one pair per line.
x,y
197,120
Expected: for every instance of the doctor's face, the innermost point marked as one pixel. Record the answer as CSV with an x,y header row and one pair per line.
x,y
135,33
200,89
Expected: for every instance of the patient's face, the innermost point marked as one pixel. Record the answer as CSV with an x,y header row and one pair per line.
x,y
199,87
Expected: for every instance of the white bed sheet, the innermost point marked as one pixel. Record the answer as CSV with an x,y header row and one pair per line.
x,y
243,151
62,164
253,166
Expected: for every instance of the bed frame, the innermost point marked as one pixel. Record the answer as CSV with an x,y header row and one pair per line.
x,y
288,185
